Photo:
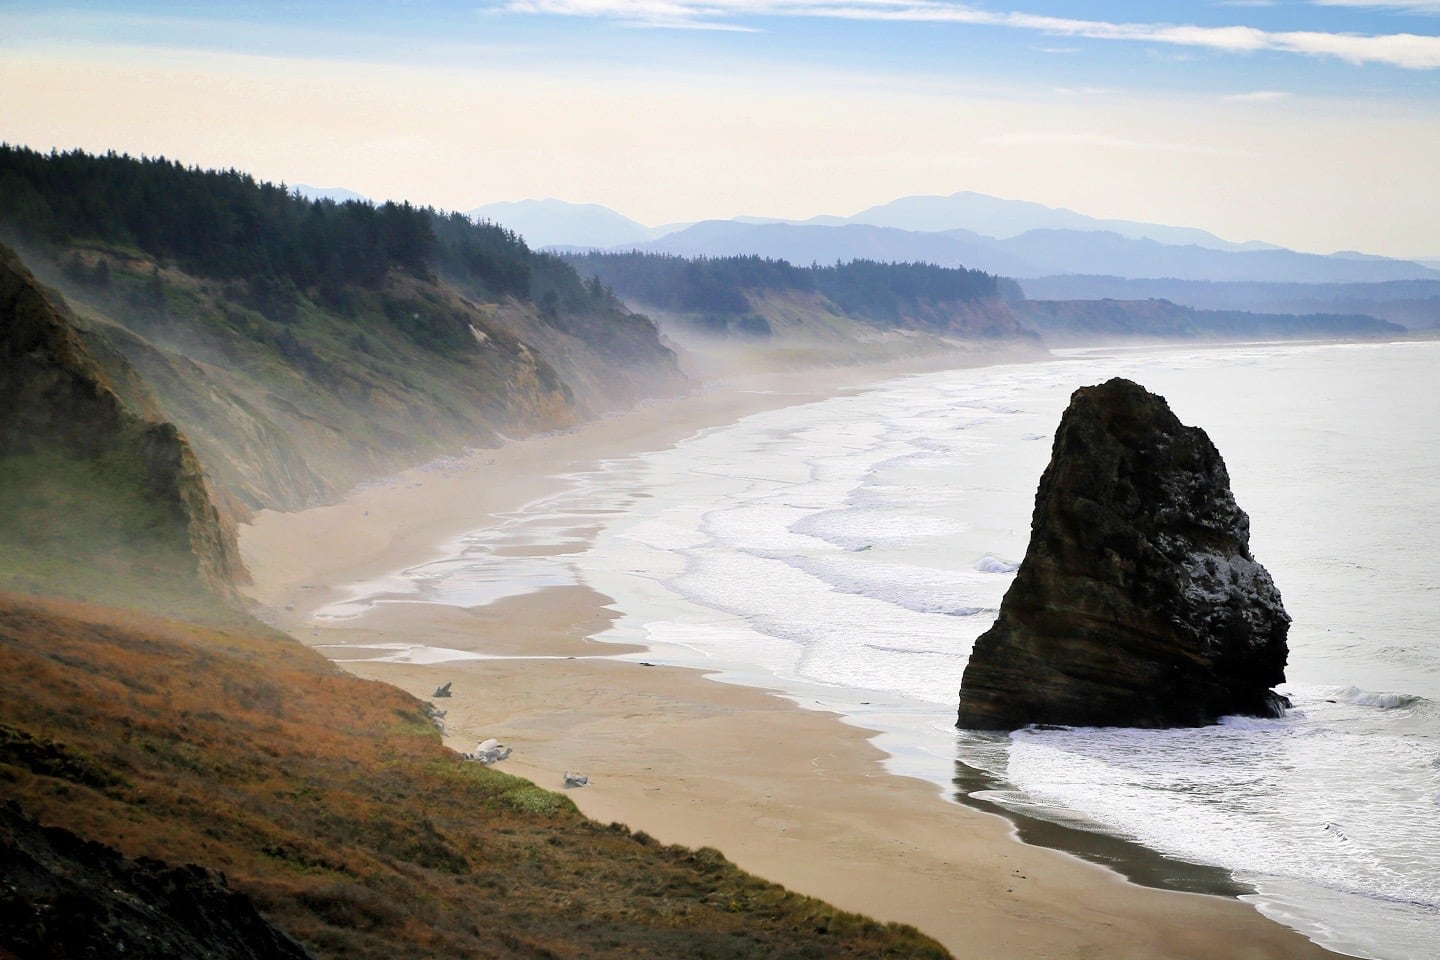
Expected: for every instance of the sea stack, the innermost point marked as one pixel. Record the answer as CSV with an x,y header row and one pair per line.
x,y
1138,603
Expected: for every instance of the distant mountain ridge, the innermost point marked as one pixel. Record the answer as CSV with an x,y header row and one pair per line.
x,y
556,223
1007,237
1033,254
806,244
1001,219
338,194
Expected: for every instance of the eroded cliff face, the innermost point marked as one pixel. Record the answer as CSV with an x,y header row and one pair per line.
x,y
603,363
296,409
100,495
1138,602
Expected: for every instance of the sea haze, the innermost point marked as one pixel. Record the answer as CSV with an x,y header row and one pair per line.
x,y
849,552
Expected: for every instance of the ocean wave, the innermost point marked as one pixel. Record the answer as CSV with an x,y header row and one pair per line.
x,y
1383,701
1253,791
990,406
993,564
908,651
850,528
916,588
1251,723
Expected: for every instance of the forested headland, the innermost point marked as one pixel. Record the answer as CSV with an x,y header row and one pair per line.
x,y
227,225
306,345
720,294
737,296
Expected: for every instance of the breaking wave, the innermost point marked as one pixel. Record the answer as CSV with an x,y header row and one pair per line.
x,y
1382,701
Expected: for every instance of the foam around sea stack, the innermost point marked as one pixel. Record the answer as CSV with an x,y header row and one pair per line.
x,y
1138,602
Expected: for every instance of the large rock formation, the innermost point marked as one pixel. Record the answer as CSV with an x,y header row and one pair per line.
x,y
1138,602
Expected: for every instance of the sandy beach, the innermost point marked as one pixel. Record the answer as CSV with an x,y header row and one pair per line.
x,y
792,794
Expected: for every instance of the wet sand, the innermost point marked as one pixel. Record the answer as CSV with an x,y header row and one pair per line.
x,y
794,795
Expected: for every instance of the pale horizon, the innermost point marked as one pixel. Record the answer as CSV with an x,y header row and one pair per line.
x,y
1308,125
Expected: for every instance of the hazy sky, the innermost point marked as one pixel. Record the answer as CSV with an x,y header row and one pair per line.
x,y
1311,123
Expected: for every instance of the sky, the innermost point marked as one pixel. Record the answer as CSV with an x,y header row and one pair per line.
x,y
1314,124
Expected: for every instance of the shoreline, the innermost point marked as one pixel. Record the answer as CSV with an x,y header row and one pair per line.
x,y
789,793
1134,861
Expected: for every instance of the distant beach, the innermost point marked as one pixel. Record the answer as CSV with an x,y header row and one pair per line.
x,y
791,794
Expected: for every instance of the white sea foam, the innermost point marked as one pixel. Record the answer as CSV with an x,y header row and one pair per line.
x,y
419,653
1383,701
993,564
850,528
922,589
407,653
1290,803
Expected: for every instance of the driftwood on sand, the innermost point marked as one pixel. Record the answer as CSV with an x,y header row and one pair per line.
x,y
488,751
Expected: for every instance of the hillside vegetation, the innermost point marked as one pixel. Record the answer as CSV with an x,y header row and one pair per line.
x,y
303,346
330,802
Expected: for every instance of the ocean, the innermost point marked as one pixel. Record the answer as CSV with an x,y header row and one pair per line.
x,y
848,552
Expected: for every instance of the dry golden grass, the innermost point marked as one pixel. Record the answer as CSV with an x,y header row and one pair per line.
x,y
332,802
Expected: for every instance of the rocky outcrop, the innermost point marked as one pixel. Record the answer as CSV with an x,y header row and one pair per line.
x,y
1138,602
67,897
90,475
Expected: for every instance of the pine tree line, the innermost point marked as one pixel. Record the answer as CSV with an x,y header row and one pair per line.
x,y
876,292
225,224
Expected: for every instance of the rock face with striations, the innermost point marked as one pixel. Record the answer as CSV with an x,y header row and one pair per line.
x,y
1138,602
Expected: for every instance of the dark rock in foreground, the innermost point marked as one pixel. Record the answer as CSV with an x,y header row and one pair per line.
x,y
1138,602
67,897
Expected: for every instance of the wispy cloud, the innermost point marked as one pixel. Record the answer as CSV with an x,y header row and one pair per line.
x,y
1406,6
1070,139
1257,96
1082,91
1411,51
650,13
